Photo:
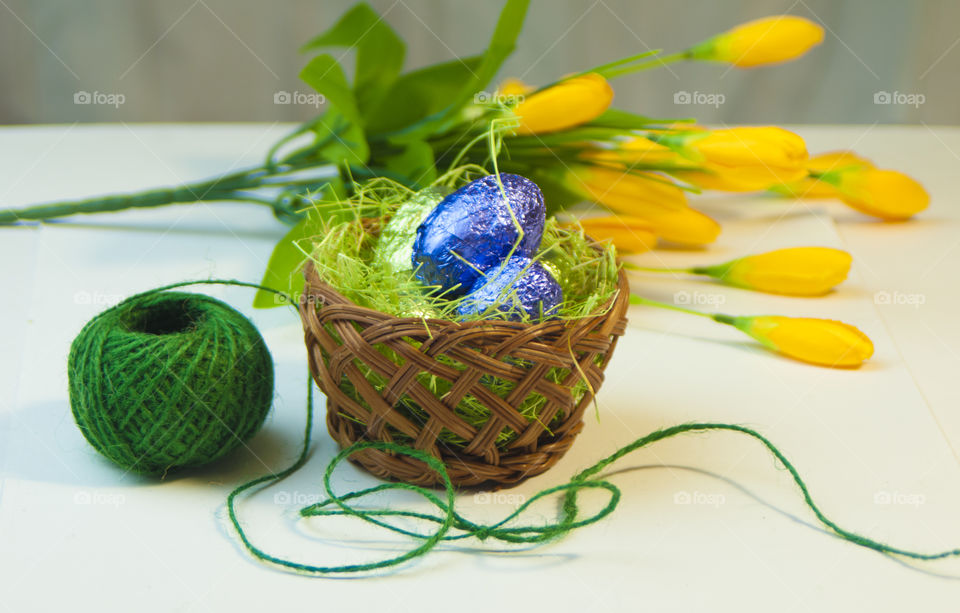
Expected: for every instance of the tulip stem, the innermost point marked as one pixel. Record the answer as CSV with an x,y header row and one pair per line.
x,y
234,186
685,271
606,71
204,191
718,317
654,63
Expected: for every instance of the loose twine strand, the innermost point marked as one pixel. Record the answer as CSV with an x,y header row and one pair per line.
x,y
448,519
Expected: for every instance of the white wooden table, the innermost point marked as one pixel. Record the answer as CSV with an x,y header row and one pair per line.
x,y
707,522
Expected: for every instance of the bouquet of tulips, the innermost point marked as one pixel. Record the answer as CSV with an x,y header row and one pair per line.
x,y
411,127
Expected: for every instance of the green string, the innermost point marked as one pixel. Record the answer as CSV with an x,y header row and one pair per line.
x,y
452,526
448,519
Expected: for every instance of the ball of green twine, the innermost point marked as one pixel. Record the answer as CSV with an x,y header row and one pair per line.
x,y
166,380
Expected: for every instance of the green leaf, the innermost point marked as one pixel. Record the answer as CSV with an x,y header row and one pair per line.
x,y
616,118
347,146
502,44
380,52
283,269
415,162
421,92
325,75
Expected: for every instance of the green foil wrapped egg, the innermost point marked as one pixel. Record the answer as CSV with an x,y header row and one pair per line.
x,y
394,249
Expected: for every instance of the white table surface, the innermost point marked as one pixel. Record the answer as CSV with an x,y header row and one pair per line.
x,y
76,532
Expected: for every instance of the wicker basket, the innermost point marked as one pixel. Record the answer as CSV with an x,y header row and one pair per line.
x,y
370,364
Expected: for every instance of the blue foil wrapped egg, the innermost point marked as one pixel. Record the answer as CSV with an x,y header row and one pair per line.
x,y
472,230
520,286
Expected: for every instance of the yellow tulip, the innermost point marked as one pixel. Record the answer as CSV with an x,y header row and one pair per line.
x,y
684,226
797,271
810,187
750,156
628,234
648,196
887,194
824,342
738,159
720,180
567,104
622,191
769,40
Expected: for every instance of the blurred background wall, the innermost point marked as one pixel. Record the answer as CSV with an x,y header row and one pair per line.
x,y
225,60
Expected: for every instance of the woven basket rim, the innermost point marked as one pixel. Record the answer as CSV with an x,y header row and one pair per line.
x,y
313,281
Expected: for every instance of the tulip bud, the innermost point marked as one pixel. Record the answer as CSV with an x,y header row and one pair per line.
x,y
798,271
761,42
824,342
740,159
887,194
684,226
628,234
648,196
567,104
623,191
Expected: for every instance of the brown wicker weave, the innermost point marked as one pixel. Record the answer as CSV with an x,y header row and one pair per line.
x,y
340,336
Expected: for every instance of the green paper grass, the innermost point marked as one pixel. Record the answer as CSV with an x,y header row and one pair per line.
x,y
343,253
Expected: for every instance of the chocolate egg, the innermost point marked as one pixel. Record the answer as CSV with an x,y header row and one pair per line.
x,y
473,229
519,286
